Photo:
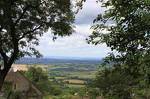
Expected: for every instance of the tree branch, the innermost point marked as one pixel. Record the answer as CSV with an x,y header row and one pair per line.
x,y
1,28
30,32
5,57
24,11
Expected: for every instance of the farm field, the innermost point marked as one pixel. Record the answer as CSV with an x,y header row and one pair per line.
x,y
75,81
75,86
71,72
72,78
66,76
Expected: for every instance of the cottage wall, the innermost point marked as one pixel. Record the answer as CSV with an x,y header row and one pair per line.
x,y
19,82
22,84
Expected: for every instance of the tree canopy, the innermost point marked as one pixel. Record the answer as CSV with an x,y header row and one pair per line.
x,y
128,31
39,77
125,28
22,22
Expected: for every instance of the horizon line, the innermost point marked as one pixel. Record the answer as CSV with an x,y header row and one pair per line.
x,y
68,57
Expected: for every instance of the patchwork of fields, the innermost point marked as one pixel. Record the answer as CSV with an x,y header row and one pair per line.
x,y
66,76
74,73
72,76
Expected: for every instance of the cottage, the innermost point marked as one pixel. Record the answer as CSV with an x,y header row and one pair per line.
x,y
21,84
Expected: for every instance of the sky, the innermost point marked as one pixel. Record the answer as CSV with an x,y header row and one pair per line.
x,y
75,46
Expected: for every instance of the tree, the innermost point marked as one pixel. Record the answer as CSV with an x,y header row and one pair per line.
x,y
22,22
93,93
40,78
127,23
114,83
36,74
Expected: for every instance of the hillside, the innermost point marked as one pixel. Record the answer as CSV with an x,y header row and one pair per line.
x,y
55,61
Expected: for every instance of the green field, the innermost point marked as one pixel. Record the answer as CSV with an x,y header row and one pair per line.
x,y
83,74
75,86
73,75
66,79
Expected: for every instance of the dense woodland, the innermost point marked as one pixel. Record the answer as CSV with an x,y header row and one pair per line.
x,y
124,74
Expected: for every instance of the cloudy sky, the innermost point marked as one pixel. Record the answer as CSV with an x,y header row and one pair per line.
x,y
75,46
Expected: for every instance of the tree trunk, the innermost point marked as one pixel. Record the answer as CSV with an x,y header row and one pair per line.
x,y
2,77
3,74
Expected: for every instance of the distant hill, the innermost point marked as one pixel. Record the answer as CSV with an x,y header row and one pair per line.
x,y
52,61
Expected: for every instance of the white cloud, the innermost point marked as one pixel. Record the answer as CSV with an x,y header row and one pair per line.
x,y
75,45
89,12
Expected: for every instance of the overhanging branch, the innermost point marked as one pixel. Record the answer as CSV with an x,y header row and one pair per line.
x,y
24,11
28,32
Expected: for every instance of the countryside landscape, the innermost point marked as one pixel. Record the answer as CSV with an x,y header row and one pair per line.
x,y
74,72
73,75
74,49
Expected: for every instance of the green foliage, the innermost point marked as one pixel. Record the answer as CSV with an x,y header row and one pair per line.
x,y
114,83
7,87
9,93
127,25
40,78
93,93
23,21
117,83
15,95
36,74
82,92
125,28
